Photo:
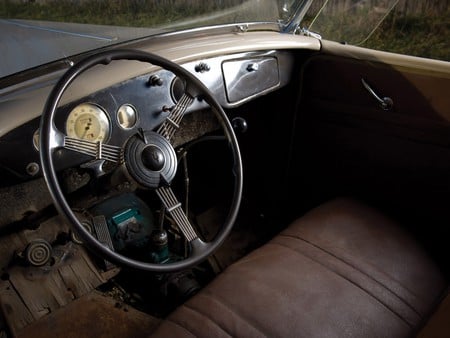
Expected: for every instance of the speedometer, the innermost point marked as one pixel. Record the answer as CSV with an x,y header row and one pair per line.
x,y
88,121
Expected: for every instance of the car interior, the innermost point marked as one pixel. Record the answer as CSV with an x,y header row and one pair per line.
x,y
242,184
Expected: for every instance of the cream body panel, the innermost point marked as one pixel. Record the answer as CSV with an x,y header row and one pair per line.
x,y
430,77
401,62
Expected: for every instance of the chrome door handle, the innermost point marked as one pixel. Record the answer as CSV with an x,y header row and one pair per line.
x,y
386,103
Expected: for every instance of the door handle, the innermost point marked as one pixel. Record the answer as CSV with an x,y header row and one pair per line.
x,y
386,103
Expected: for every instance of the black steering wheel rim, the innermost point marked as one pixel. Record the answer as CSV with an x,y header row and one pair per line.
x,y
200,249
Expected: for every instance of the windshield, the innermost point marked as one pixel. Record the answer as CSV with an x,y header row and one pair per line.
x,y
41,31
412,27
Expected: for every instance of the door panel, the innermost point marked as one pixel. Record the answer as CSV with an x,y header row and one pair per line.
x,y
346,144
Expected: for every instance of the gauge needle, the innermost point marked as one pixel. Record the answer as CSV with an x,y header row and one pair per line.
x,y
88,126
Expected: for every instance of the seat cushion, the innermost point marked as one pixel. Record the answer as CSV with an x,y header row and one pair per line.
x,y
343,269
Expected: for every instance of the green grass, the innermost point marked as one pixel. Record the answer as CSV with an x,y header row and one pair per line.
x,y
134,13
426,35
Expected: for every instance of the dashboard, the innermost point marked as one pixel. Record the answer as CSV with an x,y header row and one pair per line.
x,y
113,114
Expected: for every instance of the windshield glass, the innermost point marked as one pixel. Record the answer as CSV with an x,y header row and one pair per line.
x,y
412,27
41,31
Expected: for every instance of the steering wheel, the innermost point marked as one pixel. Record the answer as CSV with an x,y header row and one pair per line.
x,y
148,157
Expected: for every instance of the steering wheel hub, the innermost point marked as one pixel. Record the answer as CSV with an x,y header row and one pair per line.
x,y
150,159
153,158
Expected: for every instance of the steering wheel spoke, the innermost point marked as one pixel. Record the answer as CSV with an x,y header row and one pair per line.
x,y
53,138
173,207
172,122
98,150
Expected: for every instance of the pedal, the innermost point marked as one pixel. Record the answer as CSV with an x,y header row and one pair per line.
x,y
103,236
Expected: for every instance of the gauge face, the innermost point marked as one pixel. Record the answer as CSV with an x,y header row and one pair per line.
x,y
36,140
127,116
88,121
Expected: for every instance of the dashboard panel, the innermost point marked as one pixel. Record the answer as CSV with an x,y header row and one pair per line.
x,y
112,115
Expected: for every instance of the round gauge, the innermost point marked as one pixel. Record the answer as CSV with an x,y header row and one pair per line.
x,y
127,116
177,88
88,121
36,139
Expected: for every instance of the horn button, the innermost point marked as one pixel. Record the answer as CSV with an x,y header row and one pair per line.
x,y
150,159
153,158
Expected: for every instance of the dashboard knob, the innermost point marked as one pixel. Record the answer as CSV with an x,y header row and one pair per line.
x,y
239,125
202,67
155,81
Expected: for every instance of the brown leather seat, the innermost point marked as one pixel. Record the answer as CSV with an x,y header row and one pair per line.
x,y
343,269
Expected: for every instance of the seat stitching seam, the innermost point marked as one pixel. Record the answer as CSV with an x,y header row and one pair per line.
x,y
357,269
205,293
181,326
349,280
344,277
189,307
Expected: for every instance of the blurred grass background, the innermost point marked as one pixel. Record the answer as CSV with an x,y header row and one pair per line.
x,y
414,27
421,35
135,13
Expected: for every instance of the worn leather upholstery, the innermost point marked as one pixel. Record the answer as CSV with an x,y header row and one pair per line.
x,y
342,270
